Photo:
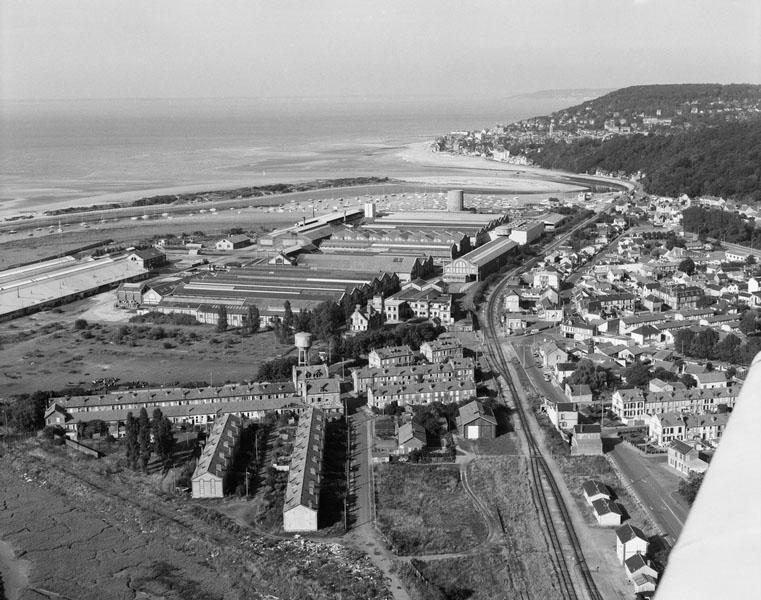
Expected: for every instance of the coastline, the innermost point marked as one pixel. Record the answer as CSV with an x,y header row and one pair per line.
x,y
14,572
414,163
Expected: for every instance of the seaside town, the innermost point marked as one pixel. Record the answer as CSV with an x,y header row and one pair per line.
x,y
442,330
595,120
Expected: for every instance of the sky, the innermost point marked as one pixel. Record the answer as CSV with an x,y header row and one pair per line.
x,y
95,49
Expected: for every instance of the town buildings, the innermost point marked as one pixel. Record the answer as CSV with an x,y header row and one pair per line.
x,y
391,356
445,392
442,349
451,370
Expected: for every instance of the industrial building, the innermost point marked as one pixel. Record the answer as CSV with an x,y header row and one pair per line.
x,y
442,244
481,262
526,232
302,493
475,225
210,476
406,268
30,288
268,287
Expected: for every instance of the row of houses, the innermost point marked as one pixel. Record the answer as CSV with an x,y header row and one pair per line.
x,y
196,406
632,405
302,492
210,477
455,369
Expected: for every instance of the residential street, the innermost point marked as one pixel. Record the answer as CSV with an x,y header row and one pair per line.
x,y
655,487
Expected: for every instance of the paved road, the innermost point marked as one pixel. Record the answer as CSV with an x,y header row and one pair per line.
x,y
655,487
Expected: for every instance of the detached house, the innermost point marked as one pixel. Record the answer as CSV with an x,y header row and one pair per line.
x,y
685,458
595,490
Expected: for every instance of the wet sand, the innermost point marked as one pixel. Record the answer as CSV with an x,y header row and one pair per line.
x,y
414,163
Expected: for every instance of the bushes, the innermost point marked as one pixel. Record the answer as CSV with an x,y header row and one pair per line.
x,y
80,324
158,318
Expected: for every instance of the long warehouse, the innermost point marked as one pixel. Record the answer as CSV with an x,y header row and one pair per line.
x,y
481,262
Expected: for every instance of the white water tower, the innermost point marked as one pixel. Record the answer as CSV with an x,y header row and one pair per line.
x,y
303,341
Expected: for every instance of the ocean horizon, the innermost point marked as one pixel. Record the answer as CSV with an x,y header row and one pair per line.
x,y
80,149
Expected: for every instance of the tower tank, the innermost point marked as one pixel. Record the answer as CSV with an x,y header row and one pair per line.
x,y
303,342
455,201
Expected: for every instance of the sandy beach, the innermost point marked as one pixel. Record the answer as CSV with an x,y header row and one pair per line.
x,y
414,163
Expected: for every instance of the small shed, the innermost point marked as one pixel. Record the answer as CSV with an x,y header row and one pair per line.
x,y
630,541
476,421
607,512
595,490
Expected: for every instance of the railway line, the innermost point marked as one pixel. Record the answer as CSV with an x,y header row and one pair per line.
x,y
574,575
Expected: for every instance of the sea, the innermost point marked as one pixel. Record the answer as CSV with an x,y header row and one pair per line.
x,y
66,150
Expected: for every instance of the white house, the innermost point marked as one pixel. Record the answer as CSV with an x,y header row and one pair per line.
x,y
210,475
630,541
607,512
595,490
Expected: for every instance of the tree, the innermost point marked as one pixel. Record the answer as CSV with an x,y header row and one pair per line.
x,y
222,318
80,324
688,488
252,319
144,438
637,374
287,315
748,321
687,266
132,429
688,380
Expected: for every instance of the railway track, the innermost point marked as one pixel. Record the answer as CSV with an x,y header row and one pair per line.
x,y
574,575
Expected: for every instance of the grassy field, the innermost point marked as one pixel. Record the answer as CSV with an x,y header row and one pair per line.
x,y
55,355
424,509
519,568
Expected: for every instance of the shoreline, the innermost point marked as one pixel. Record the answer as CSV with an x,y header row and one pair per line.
x,y
412,164
14,572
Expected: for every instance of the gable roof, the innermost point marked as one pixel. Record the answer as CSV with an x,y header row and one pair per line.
x,y
627,533
592,487
410,431
680,446
605,506
475,410
636,562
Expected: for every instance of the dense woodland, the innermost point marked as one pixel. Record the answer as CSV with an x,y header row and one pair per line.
x,y
721,225
720,161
